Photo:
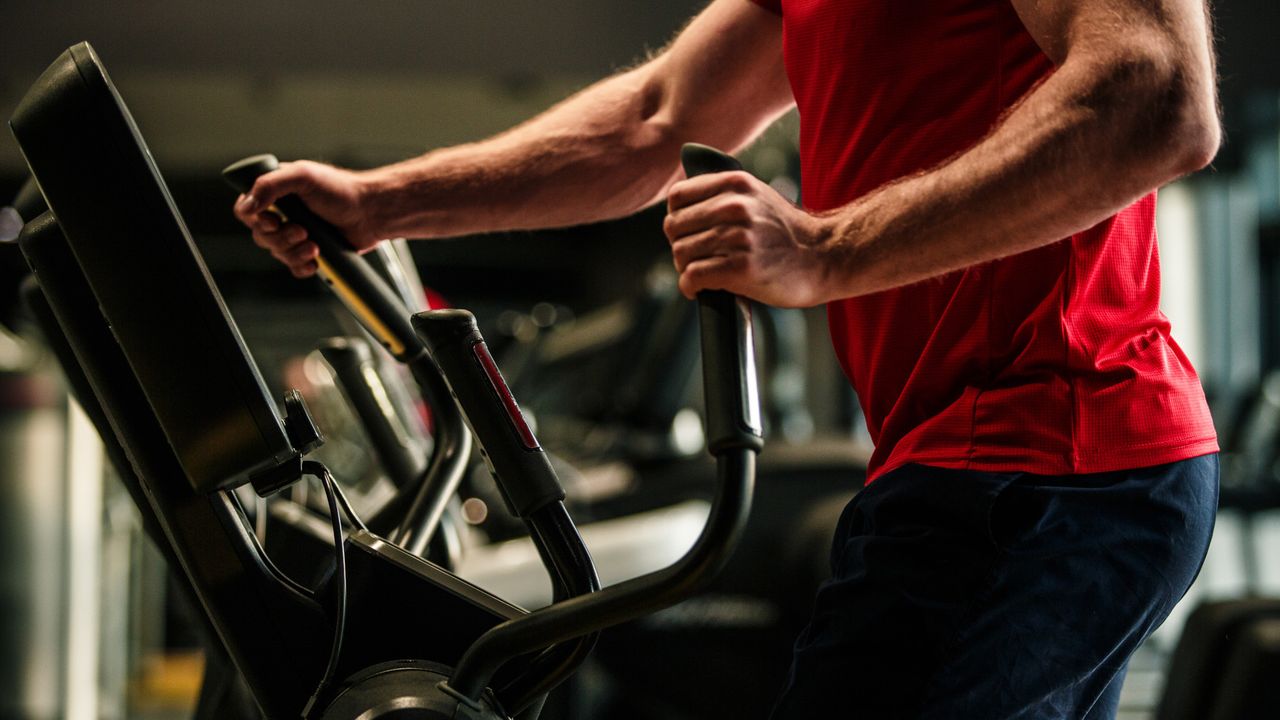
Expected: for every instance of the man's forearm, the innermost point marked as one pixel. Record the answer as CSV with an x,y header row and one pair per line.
x,y
608,151
605,152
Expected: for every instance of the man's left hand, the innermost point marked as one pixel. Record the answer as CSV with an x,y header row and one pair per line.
x,y
730,231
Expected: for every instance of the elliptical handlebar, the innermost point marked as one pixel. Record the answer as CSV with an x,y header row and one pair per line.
x,y
378,309
355,283
734,438
728,358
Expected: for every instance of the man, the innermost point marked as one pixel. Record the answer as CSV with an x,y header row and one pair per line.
x,y
978,216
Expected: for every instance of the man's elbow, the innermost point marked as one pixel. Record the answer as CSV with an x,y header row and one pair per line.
x,y
1182,129
1159,106
1194,143
1186,124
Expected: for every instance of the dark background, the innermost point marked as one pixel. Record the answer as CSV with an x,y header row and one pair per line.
x,y
366,83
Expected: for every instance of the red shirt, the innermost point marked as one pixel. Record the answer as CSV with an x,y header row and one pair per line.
x,y
1054,361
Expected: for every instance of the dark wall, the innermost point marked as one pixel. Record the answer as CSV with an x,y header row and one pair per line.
x,y
434,35
1248,35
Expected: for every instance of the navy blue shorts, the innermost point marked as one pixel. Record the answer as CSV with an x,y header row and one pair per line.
x,y
991,596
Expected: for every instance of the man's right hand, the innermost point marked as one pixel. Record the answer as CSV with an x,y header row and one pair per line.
x,y
334,194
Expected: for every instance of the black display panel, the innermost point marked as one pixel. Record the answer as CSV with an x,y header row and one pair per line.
x,y
153,287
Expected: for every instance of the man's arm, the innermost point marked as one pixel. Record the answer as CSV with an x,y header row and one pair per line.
x,y
605,152
1131,106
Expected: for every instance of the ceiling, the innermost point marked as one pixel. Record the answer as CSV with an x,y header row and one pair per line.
x,y
361,81
371,81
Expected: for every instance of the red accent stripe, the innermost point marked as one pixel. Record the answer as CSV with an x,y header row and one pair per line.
x,y
504,394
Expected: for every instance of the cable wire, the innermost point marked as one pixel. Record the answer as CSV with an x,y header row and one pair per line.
x,y
346,508
318,470
339,581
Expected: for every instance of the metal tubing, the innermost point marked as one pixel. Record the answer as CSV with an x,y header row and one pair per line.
x,y
572,574
448,461
625,601
401,456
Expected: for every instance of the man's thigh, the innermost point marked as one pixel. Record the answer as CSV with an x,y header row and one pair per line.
x,y
987,595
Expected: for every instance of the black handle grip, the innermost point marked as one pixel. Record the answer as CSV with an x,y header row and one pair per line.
x,y
353,281
518,463
728,354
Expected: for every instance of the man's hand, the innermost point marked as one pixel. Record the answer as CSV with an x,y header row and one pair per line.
x,y
730,231
332,193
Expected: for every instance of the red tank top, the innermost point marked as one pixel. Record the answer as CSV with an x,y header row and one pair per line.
x,y
1054,361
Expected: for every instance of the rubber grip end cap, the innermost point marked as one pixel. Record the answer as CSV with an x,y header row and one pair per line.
x,y
242,173
699,159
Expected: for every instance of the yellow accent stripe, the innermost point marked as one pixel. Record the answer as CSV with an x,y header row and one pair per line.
x,y
353,301
362,311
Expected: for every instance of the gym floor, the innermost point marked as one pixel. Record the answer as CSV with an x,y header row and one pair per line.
x,y
169,692
167,686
